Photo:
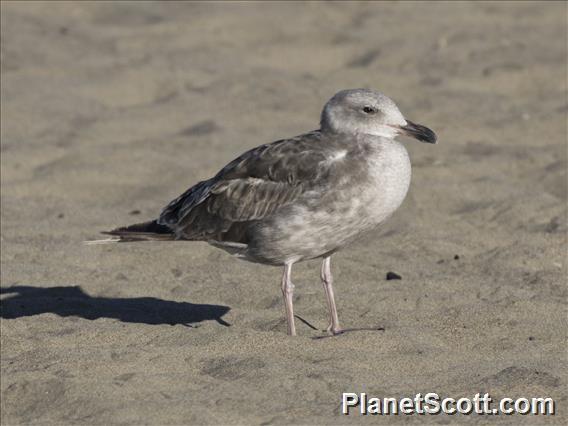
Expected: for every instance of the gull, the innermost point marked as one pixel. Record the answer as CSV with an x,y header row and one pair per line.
x,y
300,198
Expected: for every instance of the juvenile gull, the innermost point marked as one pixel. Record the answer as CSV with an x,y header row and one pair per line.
x,y
300,198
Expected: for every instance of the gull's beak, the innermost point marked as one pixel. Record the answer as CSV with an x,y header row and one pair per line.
x,y
417,131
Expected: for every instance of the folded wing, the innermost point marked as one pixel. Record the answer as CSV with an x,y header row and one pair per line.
x,y
250,188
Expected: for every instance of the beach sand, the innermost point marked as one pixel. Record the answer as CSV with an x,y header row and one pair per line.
x,y
110,110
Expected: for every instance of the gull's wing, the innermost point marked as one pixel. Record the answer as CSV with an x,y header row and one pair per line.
x,y
251,187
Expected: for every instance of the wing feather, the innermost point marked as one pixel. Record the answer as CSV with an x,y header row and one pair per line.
x,y
241,200
251,187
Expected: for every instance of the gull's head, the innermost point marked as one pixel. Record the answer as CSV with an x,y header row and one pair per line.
x,y
366,111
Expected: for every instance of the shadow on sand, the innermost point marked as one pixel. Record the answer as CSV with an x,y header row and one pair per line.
x,y
23,301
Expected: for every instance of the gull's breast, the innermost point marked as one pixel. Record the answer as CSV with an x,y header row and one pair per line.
x,y
388,180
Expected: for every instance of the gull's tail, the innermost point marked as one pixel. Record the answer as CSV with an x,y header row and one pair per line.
x,y
146,231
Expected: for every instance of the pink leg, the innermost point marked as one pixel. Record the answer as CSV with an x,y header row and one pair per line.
x,y
327,280
287,292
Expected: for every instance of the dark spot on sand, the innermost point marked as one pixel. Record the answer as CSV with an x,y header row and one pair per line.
x,y
125,377
393,276
515,375
134,212
481,149
177,273
232,367
365,60
200,129
553,225
166,97
122,379
60,216
431,81
456,257
504,67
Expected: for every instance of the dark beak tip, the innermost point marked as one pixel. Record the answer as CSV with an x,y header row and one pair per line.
x,y
422,133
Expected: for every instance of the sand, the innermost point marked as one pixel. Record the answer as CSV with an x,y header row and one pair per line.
x,y
109,110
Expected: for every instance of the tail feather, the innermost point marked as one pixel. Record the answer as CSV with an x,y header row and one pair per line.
x,y
146,231
105,241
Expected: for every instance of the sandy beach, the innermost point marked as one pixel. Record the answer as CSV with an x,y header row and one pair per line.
x,y
110,110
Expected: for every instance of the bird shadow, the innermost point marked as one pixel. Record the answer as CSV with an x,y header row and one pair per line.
x,y
24,301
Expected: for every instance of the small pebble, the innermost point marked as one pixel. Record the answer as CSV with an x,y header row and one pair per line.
x,y
393,276
456,257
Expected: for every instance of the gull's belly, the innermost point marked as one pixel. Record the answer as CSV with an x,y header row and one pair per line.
x,y
330,218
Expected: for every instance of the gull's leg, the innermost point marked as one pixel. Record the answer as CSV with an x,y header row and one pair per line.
x,y
327,280
287,292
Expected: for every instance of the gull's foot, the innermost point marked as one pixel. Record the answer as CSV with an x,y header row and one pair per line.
x,y
334,331
340,331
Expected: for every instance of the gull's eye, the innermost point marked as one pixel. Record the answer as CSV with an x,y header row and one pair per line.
x,y
369,110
